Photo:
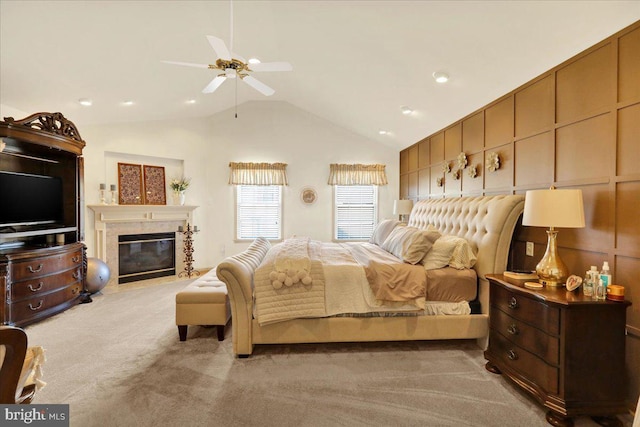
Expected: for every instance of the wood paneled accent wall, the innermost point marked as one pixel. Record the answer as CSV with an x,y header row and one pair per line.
x,y
575,126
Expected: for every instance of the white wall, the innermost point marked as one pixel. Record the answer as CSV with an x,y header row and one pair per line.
x,y
265,131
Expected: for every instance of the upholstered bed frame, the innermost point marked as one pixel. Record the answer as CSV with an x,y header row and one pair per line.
x,y
487,222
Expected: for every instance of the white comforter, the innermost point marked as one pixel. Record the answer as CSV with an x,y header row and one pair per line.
x,y
339,286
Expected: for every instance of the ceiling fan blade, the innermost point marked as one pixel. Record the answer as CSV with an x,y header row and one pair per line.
x,y
258,85
213,85
238,57
220,48
186,64
271,66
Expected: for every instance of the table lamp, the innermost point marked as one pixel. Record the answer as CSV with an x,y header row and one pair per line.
x,y
553,208
402,208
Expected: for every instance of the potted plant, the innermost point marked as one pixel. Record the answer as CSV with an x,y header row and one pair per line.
x,y
179,186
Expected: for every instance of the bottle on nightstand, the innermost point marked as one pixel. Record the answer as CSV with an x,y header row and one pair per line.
x,y
590,281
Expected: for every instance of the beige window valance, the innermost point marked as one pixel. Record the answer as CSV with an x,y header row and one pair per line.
x,y
258,174
357,174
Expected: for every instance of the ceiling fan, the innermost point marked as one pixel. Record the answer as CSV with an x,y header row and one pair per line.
x,y
233,65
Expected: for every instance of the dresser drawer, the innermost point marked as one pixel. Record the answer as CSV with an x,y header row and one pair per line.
x,y
43,266
523,335
42,285
525,363
526,309
34,307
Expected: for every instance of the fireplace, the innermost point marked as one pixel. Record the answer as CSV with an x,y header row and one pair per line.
x,y
113,221
146,256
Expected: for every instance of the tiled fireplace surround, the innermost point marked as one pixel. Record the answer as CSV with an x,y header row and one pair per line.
x,y
112,221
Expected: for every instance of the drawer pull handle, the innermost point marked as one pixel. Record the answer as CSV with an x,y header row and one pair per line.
x,y
512,355
76,274
74,291
75,258
513,302
513,329
32,289
37,270
32,308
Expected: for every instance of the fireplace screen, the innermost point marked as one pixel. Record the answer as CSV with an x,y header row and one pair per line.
x,y
146,256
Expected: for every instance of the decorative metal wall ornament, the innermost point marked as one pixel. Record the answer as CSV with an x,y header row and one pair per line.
x,y
456,174
440,182
446,168
462,160
493,161
473,172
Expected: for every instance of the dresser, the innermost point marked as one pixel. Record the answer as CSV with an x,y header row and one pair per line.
x,y
565,349
40,282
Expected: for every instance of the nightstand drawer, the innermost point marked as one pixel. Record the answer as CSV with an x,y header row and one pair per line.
x,y
528,310
43,266
42,285
528,365
526,336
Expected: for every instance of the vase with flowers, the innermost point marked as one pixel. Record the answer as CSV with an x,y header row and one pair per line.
x,y
179,186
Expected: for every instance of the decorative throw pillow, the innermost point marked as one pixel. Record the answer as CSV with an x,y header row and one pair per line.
x,y
382,231
410,244
451,251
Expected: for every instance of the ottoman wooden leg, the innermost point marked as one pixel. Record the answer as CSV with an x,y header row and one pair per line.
x,y
220,330
182,332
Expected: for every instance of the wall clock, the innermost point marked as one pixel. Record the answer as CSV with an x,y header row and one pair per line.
x,y
308,195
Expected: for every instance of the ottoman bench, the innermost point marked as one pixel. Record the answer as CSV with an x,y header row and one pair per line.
x,y
203,302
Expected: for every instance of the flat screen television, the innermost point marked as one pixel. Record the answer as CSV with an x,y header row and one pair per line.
x,y
27,199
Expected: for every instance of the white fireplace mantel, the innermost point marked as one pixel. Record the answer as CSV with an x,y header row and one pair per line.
x,y
112,220
140,213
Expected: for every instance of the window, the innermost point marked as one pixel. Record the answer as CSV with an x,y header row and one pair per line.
x,y
356,211
258,212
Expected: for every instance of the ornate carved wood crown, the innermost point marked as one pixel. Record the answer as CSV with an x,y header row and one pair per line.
x,y
54,123
51,130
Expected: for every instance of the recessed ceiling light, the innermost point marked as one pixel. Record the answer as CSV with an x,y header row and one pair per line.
x,y
383,132
127,103
441,77
406,110
254,61
191,101
85,101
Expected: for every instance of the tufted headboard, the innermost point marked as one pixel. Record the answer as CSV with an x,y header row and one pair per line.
x,y
487,222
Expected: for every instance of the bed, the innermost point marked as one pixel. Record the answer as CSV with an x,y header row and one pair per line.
x,y
485,222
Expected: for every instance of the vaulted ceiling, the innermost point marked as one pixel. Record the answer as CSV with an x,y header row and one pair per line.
x,y
355,63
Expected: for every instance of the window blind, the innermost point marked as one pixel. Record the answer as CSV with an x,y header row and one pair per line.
x,y
258,212
356,211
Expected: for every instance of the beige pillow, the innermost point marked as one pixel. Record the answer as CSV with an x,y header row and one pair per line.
x,y
451,251
382,231
410,244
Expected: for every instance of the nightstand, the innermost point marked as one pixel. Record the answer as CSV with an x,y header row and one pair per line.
x,y
565,349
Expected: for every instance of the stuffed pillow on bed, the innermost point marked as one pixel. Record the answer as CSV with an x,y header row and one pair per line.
x,y
450,251
410,244
382,231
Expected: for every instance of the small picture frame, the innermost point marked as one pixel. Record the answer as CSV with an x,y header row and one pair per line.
x,y
573,282
130,184
154,185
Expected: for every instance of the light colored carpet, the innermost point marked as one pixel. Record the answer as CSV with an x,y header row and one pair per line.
x,y
118,362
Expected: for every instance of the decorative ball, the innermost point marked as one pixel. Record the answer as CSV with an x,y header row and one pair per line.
x,y
98,274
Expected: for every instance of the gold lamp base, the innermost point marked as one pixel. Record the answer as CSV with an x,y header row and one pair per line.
x,y
551,270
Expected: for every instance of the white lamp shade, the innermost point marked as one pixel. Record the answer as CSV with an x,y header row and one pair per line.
x,y
553,208
402,207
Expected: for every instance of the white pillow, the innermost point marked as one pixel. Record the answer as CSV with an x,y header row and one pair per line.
x,y
382,231
410,244
450,251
